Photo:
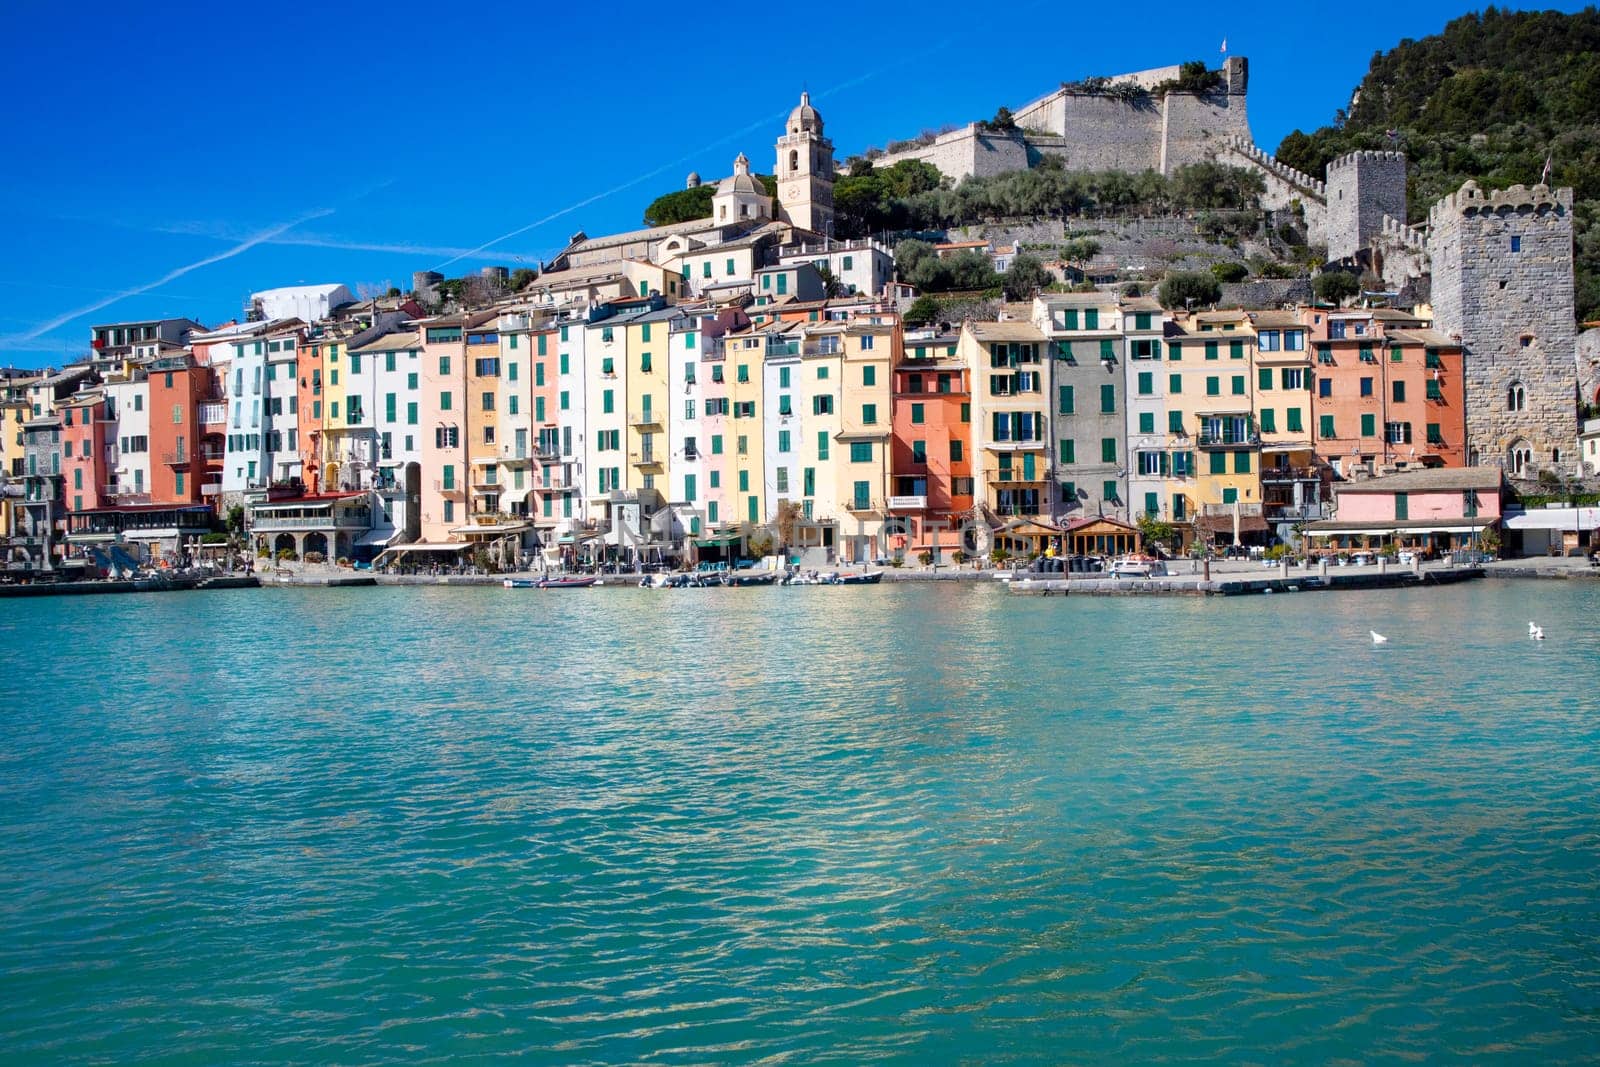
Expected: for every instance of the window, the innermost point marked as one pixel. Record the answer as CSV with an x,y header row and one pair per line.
x,y
608,401
1108,450
1325,426
1235,349
1219,463
869,375
1108,490
1064,400
1369,425
916,414
1238,385
1516,397
1292,378
860,451
1108,398
1147,422
1324,387
1068,450
1435,435
1402,506
644,363
1174,422
1399,390
1366,387
1211,350
716,444
444,364
1147,383
1269,421
1241,463
1397,433
488,401
1264,378
1516,244
1175,383
1292,416
783,440
1213,385
822,404
1435,391
742,445
744,481
869,414
1230,495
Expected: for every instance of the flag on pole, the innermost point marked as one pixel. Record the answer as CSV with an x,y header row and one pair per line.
x,y
1544,178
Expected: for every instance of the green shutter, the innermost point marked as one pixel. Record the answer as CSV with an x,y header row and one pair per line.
x,y
1219,463
1325,426
1064,400
1264,378
1369,425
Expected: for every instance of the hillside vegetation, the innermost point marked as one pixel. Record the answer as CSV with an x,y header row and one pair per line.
x,y
1489,98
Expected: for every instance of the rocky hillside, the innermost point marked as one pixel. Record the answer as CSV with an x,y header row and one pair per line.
x,y
1490,98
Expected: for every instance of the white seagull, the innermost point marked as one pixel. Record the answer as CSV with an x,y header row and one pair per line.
x,y
1377,638
1538,633
1532,628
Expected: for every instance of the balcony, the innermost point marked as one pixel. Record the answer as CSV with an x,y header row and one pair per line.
x,y
908,503
647,459
213,455
862,504
1206,439
488,478
211,489
1018,475
1295,512
454,487
178,459
357,520
515,457
644,419
213,414
115,495
1284,475
826,347
1227,510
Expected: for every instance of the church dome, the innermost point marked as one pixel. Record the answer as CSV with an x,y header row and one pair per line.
x,y
741,181
804,119
694,180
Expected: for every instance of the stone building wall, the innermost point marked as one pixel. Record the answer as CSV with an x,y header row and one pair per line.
x,y
1362,188
1503,282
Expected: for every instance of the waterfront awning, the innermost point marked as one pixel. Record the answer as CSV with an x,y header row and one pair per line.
x,y
716,542
1391,527
1224,523
1564,519
423,546
377,537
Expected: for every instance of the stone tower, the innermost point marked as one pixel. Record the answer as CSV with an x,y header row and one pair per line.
x,y
805,171
1502,282
1363,187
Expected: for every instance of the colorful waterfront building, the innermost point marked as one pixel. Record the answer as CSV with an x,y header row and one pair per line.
x,y
1011,428
384,445
1210,360
1390,392
1294,480
745,462
866,424
1087,387
1149,460
444,425
1429,510
931,454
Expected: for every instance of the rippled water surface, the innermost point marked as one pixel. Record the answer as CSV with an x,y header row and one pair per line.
x,y
907,824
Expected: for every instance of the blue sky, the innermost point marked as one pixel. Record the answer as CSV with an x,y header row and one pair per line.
x,y
170,159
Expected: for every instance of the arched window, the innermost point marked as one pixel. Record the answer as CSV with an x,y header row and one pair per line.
x,y
1516,398
1519,460
794,160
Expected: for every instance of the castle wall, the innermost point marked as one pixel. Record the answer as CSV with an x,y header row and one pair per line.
x,y
1513,309
1196,124
1285,186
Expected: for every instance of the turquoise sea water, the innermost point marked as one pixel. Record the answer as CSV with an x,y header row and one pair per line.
x,y
910,824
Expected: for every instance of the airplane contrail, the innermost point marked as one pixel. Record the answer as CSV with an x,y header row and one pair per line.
x,y
248,243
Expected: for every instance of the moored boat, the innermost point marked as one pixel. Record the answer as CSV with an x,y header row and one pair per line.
x,y
571,582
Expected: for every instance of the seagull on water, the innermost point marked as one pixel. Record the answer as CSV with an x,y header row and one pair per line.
x,y
1538,633
1532,628
1377,638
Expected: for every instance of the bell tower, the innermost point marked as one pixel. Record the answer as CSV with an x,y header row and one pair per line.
x,y
804,170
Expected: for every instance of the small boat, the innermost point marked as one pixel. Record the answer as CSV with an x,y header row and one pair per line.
x,y
520,583
743,578
863,578
569,582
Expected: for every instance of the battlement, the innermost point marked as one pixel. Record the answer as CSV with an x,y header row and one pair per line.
x,y
1245,147
1404,233
1472,200
1351,159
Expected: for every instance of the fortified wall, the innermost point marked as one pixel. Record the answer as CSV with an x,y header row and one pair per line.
x,y
1100,130
1503,282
